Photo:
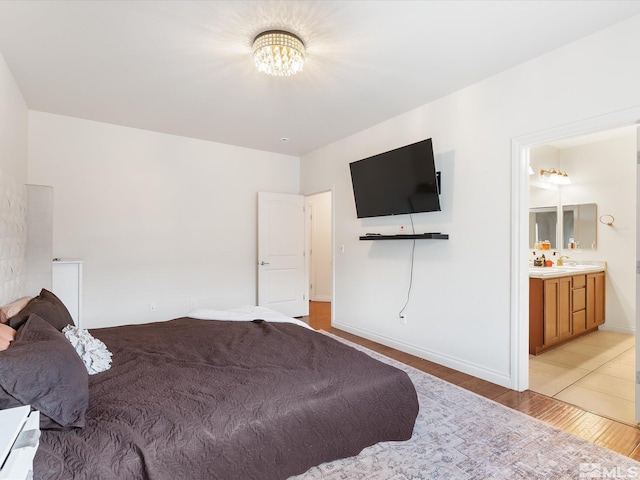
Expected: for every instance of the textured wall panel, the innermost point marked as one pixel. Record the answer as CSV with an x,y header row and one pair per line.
x,y
13,238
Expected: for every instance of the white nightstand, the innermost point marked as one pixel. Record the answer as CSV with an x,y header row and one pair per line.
x,y
19,438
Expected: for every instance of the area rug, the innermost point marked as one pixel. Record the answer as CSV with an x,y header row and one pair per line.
x,y
460,435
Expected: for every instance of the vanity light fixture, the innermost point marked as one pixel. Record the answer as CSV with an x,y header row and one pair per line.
x,y
278,53
554,176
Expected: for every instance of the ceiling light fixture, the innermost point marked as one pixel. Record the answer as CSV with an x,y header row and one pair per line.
x,y
554,176
278,53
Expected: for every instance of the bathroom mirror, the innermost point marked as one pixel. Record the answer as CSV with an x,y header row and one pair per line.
x,y
579,226
543,225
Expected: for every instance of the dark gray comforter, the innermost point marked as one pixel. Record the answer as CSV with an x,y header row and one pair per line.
x,y
196,399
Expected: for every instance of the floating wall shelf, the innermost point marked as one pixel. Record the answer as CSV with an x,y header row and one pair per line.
x,y
408,236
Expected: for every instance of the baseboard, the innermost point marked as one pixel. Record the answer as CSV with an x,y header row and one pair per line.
x,y
618,329
457,364
321,298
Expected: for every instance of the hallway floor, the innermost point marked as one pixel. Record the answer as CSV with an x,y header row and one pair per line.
x,y
594,372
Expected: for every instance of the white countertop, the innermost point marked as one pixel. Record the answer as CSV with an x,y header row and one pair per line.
x,y
565,270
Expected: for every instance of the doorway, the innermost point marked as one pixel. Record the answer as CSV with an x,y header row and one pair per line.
x,y
594,371
320,256
520,230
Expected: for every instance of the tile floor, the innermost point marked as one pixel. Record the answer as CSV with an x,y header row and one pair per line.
x,y
594,372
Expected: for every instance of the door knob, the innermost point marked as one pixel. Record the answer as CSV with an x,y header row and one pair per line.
x,y
265,263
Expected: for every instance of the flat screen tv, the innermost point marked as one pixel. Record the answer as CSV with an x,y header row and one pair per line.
x,y
397,182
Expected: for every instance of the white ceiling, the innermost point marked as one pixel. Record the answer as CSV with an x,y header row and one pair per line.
x,y
185,67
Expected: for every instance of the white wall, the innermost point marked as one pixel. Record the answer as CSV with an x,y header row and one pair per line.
x,y
13,176
39,251
13,127
460,308
320,277
156,218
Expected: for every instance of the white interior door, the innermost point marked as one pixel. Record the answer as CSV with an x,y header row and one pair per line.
x,y
282,278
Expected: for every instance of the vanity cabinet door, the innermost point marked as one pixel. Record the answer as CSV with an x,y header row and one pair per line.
x,y
595,299
600,296
558,318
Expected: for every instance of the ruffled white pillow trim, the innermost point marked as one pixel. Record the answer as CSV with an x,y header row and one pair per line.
x,y
93,352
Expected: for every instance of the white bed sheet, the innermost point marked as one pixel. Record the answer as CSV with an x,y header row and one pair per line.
x,y
244,314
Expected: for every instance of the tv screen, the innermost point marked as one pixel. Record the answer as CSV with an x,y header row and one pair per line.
x,y
397,182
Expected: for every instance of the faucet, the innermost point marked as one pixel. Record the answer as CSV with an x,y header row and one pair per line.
x,y
559,263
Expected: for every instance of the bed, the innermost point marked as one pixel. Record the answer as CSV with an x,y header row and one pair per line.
x,y
250,394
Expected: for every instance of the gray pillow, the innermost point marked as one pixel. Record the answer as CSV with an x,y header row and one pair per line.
x,y
42,369
48,307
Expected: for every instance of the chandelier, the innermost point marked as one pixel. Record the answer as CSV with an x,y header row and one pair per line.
x,y
278,53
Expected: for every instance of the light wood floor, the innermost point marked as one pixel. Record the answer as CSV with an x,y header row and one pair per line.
x,y
617,436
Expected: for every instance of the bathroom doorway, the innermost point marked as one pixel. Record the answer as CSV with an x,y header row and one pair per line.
x,y
596,371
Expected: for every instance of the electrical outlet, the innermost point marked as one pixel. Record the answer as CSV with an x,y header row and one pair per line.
x,y
153,307
403,318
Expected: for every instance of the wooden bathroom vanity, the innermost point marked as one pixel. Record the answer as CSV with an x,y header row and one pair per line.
x,y
564,303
